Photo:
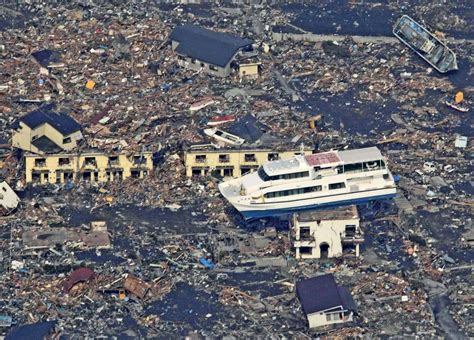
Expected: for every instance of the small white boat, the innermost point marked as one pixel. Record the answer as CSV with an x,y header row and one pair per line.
x,y
225,137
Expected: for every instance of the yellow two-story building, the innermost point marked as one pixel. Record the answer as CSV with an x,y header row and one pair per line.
x,y
88,166
44,131
200,161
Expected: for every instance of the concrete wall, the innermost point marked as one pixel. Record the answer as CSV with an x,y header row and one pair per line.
x,y
321,319
53,172
248,70
205,67
23,137
236,160
325,232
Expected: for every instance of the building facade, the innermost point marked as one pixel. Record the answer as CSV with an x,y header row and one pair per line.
x,y
326,233
232,162
88,167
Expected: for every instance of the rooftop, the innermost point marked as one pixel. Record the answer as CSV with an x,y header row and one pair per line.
x,y
360,155
322,158
60,121
321,293
282,164
216,48
46,145
339,213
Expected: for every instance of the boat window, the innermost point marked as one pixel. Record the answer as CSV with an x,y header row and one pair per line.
x,y
262,174
357,167
340,169
382,164
293,192
294,175
334,186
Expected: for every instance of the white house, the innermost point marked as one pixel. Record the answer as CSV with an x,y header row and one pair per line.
x,y
323,302
326,233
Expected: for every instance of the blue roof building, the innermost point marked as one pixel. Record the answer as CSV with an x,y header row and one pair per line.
x,y
202,49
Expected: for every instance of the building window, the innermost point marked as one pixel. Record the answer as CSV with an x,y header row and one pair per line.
x,y
350,230
64,161
40,162
180,57
139,160
193,61
328,317
224,158
213,68
67,140
250,157
228,172
306,251
135,174
334,186
196,171
305,233
90,161
200,158
113,160
273,156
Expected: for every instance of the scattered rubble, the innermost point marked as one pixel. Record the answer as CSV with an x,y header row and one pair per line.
x,y
171,257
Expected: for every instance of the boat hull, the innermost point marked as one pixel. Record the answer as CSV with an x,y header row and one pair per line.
x,y
251,211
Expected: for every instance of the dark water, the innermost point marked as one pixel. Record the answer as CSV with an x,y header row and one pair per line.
x,y
189,307
338,17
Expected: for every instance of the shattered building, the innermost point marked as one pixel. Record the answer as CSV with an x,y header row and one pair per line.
x,y
209,51
326,233
90,166
229,162
45,131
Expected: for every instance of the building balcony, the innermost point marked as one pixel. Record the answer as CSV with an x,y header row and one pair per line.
x,y
352,238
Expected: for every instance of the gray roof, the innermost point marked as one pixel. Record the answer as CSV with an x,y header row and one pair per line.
x,y
60,121
321,293
46,145
360,155
215,48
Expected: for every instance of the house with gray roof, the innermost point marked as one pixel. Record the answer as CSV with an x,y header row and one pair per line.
x,y
324,302
204,50
46,131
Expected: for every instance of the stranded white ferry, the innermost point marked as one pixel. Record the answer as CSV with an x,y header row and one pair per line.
x,y
311,181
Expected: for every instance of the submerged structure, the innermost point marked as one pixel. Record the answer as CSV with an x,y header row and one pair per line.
x,y
311,181
425,44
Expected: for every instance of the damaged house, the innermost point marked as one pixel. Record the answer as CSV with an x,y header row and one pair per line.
x,y
212,52
326,233
45,131
324,302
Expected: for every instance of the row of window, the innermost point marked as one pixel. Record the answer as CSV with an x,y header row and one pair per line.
x,y
113,160
248,157
300,191
293,192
